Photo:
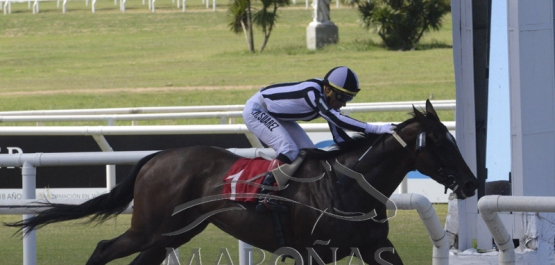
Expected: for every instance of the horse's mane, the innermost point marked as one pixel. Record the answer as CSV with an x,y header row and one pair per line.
x,y
337,149
358,140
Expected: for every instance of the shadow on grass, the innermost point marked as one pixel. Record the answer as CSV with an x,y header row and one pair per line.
x,y
357,45
434,44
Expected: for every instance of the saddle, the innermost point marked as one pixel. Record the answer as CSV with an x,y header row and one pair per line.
x,y
244,178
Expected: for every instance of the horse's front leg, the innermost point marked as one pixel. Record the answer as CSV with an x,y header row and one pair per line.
x,y
381,253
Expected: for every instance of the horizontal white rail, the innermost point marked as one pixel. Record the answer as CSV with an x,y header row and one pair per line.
x,y
155,129
122,117
490,206
188,115
100,158
374,106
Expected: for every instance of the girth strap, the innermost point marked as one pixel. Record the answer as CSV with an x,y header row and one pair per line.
x,y
276,220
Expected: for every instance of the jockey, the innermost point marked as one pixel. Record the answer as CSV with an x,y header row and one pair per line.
x,y
272,115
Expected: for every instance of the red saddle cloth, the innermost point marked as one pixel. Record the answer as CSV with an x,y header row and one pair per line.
x,y
239,177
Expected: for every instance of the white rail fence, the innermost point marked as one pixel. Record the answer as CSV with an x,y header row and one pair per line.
x,y
490,206
98,133
226,113
389,106
151,5
28,206
34,5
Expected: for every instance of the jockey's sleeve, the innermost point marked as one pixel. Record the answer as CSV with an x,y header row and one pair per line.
x,y
339,135
336,118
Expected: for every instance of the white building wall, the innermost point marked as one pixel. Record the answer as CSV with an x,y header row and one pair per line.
x,y
532,97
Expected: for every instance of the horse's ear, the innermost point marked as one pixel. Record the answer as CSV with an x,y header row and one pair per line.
x,y
419,115
430,111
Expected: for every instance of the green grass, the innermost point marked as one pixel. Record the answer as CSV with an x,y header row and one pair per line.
x,y
80,50
109,59
73,243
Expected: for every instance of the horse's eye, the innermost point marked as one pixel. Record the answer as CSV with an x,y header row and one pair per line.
x,y
437,137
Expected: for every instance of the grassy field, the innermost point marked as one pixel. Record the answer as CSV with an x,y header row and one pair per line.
x,y
109,59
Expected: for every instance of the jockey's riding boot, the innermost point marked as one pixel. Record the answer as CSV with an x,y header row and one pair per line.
x,y
265,203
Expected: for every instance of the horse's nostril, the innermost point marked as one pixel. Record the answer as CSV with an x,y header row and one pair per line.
x,y
471,185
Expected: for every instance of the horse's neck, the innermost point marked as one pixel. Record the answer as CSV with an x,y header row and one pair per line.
x,y
387,166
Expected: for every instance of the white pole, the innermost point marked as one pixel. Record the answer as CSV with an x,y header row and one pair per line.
x,y
110,169
29,174
404,187
427,213
110,177
243,258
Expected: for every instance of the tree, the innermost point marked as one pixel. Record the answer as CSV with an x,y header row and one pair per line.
x,y
401,23
242,19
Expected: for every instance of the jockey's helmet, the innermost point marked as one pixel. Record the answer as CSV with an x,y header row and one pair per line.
x,y
343,81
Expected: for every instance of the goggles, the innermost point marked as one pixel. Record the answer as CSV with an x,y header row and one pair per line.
x,y
342,97
342,94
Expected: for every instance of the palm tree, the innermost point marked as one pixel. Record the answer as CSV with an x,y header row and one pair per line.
x,y
242,19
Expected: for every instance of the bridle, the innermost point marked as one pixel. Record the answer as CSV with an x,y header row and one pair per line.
x,y
449,181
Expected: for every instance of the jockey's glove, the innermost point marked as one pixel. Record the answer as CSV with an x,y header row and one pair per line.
x,y
380,129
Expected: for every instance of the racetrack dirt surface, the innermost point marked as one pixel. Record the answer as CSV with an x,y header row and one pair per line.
x,y
119,90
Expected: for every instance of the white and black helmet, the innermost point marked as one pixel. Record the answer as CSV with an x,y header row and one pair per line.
x,y
343,79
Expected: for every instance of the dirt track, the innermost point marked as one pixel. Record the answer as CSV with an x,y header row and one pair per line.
x,y
119,90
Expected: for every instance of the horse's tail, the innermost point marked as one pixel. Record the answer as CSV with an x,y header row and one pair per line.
x,y
101,208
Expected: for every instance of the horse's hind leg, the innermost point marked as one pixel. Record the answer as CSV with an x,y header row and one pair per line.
x,y
126,244
150,256
158,249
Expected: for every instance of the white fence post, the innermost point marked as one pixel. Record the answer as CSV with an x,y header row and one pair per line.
x,y
489,207
29,174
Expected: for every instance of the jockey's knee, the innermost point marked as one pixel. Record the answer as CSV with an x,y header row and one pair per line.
x,y
286,158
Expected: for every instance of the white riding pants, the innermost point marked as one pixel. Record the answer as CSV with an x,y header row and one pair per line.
x,y
285,137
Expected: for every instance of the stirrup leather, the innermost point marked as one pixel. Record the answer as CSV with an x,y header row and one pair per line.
x,y
269,204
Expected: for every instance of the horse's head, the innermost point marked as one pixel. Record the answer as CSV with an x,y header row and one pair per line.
x,y
437,154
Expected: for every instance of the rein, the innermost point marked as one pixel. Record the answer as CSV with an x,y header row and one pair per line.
x,y
450,181
344,178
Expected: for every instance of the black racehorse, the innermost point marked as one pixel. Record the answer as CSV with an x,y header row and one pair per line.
x,y
326,219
